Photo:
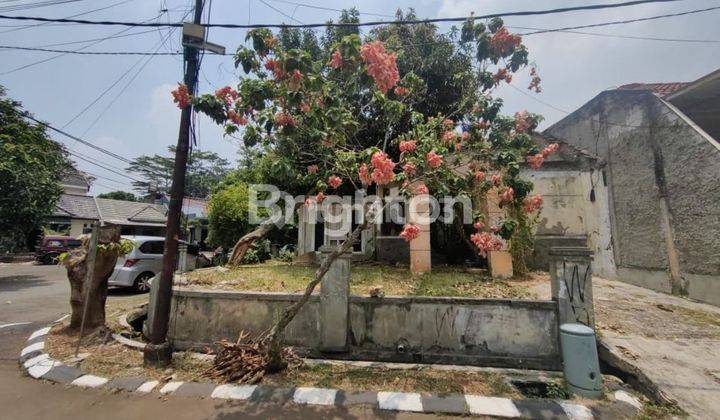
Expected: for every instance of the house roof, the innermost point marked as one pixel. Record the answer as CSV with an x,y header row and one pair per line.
x,y
131,213
76,206
76,178
662,89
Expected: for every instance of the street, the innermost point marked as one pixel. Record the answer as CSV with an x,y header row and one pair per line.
x,y
32,296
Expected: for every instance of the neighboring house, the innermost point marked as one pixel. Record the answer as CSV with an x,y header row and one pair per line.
x,y
76,213
659,156
76,182
195,210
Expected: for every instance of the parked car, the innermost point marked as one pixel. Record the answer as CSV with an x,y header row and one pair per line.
x,y
51,246
145,261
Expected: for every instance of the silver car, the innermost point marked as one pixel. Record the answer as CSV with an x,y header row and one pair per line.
x,y
142,263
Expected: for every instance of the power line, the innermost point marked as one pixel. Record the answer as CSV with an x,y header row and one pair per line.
x,y
340,24
77,139
132,79
62,54
104,167
281,12
620,22
26,6
96,39
310,6
21,27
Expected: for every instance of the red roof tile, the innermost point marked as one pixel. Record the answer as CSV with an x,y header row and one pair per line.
x,y
662,89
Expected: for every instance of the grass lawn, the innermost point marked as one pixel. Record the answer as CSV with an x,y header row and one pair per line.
x,y
394,281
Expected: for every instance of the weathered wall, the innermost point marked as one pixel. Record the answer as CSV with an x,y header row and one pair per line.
x,y
569,212
441,330
663,191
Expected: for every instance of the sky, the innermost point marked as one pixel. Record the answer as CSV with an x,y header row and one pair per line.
x,y
136,116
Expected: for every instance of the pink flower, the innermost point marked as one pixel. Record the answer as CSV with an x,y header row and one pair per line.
x,y
532,204
502,74
448,123
433,159
495,229
312,169
364,175
236,118
383,168
536,161
485,242
408,146
535,82
295,80
275,67
480,176
496,179
464,136
304,107
478,225
507,196
336,61
421,189
334,181
283,118
401,91
522,122
320,197
410,232
226,94
409,168
181,96
381,65
448,136
550,149
503,42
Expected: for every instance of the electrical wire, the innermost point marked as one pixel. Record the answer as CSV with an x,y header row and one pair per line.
x,y
21,27
310,6
373,23
25,66
27,6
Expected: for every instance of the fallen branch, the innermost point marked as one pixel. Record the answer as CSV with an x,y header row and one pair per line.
x,y
244,243
244,361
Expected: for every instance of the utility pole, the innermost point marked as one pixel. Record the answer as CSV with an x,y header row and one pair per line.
x,y
158,351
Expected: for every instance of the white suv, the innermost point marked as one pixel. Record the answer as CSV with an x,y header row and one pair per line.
x,y
142,263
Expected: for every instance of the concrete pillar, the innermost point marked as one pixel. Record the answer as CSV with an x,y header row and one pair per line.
x,y
419,214
499,262
307,219
571,284
334,303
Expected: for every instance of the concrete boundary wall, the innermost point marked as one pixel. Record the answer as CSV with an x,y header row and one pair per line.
x,y
484,332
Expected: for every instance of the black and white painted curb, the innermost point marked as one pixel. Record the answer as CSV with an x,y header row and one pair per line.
x,y
40,365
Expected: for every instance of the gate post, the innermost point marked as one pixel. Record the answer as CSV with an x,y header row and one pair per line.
x,y
334,303
571,284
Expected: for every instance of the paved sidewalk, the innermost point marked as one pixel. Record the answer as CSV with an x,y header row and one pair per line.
x,y
674,342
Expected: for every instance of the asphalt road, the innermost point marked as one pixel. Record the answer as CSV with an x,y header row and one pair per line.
x,y
31,297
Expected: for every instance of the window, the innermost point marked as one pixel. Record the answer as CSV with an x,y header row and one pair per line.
x,y
74,243
55,243
152,247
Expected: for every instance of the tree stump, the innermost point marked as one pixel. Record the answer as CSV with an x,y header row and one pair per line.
x,y
76,267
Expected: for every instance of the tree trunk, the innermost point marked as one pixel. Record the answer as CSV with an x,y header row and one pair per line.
x,y
276,363
76,267
244,243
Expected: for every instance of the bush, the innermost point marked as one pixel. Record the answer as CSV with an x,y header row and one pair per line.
x,y
258,252
228,215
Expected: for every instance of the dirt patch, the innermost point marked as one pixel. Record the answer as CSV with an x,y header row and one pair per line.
x,y
622,309
368,278
403,380
108,358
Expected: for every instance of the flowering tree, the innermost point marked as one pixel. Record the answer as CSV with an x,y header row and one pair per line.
x,y
307,113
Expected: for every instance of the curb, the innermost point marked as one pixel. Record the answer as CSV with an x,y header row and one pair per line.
x,y
40,365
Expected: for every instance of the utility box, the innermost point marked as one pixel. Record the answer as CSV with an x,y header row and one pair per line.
x,y
580,360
